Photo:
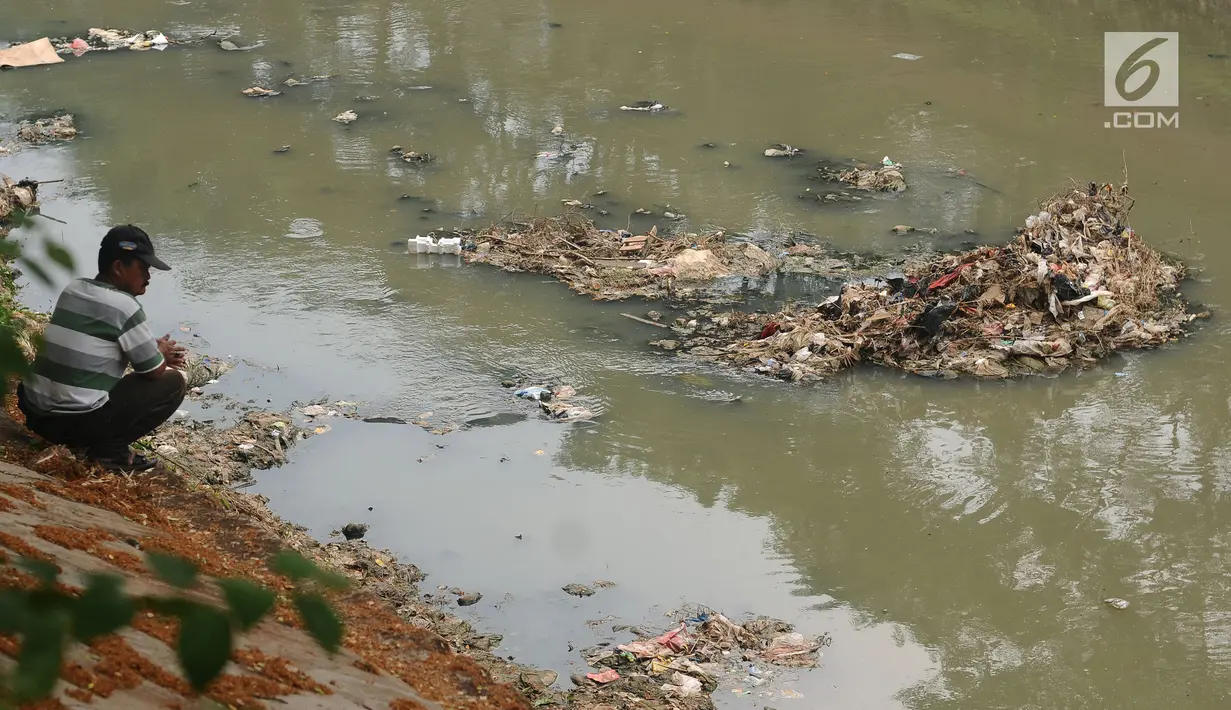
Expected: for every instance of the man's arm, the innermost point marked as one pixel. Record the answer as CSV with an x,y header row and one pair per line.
x,y
139,346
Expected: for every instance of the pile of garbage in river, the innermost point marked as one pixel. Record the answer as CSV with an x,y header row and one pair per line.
x,y
48,130
1075,285
21,195
108,40
679,669
558,404
616,264
887,178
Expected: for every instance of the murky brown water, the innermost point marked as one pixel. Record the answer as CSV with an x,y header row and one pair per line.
x,y
956,539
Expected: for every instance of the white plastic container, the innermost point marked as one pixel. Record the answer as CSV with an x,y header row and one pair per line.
x,y
450,245
422,245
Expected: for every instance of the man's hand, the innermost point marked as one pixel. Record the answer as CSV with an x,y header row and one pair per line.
x,y
175,354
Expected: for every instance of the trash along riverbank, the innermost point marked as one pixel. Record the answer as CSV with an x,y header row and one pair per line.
x,y
402,649
1075,285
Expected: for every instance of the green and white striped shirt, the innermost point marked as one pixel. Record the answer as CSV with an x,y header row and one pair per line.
x,y
96,330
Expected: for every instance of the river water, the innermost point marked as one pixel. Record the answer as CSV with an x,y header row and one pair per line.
x,y
955,539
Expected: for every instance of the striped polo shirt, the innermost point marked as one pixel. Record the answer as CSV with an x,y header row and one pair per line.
x,y
95,332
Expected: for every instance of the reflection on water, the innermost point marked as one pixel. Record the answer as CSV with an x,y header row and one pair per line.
x,y
956,538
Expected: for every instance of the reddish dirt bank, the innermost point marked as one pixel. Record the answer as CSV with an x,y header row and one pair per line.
x,y
52,508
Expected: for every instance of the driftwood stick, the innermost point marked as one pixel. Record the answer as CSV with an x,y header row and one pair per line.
x,y
578,251
643,320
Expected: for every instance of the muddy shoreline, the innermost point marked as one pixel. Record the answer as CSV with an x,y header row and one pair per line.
x,y
192,494
191,504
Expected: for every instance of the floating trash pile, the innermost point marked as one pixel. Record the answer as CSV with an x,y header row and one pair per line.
x,y
616,264
1076,285
886,178
17,196
48,130
108,40
560,404
680,668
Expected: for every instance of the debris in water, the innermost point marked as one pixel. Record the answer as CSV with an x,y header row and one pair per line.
x,y
683,685
21,195
346,117
907,56
110,40
292,81
354,531
260,92
1076,285
782,150
596,261
47,130
649,106
1116,603
469,599
282,149
578,590
887,178
29,54
702,648
230,46
535,393
560,411
411,156
200,369
558,130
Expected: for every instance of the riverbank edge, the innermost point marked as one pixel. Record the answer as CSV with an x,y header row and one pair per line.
x,y
186,495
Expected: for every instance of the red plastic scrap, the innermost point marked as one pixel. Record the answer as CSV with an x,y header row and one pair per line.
x,y
769,329
675,640
949,277
605,677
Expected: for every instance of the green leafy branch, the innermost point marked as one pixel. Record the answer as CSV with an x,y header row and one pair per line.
x,y
13,358
48,618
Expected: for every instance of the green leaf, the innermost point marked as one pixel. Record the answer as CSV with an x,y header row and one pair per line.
x,y
37,269
42,648
293,565
19,217
204,645
59,254
320,620
13,610
102,608
47,572
176,571
249,602
10,248
332,580
12,359
299,568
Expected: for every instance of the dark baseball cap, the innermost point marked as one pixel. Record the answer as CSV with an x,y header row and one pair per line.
x,y
129,239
